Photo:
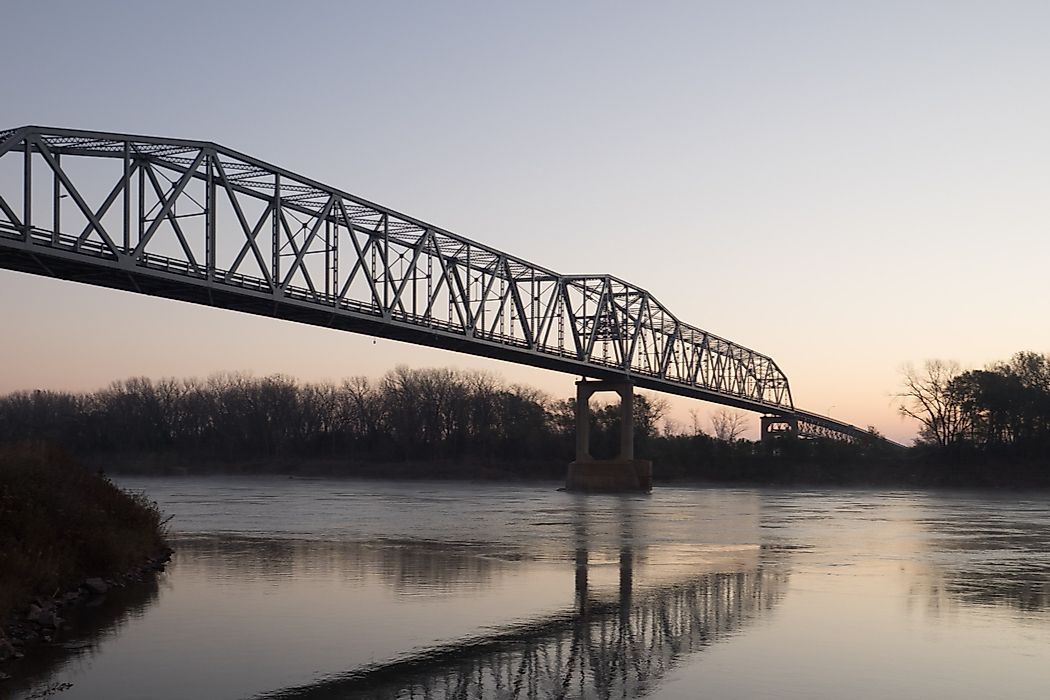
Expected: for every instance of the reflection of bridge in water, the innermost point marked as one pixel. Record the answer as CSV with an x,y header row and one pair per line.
x,y
610,645
619,649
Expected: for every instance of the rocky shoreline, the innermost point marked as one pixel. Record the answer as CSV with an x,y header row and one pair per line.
x,y
43,621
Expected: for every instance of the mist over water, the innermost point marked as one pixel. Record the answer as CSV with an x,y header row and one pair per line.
x,y
304,588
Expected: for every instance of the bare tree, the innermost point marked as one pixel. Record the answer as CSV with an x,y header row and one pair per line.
x,y
671,427
649,410
728,425
694,417
927,397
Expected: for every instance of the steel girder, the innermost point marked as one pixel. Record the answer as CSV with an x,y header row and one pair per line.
x,y
196,221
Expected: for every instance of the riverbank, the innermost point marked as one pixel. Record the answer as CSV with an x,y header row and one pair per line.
x,y
912,469
436,469
67,535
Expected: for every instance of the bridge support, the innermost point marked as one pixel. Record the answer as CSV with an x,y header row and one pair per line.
x,y
624,473
774,427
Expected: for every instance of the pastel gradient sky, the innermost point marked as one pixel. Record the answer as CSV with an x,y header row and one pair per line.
x,y
846,187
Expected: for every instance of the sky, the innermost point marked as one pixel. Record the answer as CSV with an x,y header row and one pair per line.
x,y
845,187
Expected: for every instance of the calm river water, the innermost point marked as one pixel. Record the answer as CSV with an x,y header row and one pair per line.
x,y
323,589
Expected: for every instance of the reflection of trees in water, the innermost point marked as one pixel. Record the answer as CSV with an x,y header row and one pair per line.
x,y
1027,590
619,649
1022,586
414,568
89,627
993,578
988,552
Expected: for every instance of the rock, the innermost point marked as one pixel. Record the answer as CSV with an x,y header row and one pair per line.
x,y
48,618
71,597
7,651
96,586
34,612
4,676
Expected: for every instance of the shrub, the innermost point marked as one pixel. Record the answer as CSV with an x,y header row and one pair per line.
x,y
61,523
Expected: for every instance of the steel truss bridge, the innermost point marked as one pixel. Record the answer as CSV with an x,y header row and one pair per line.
x,y
199,222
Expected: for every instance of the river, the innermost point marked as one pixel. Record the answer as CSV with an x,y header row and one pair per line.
x,y
323,588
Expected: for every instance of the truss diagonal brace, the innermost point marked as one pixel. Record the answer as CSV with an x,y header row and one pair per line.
x,y
75,194
168,204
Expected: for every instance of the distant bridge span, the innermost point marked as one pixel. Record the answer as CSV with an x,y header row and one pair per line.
x,y
199,222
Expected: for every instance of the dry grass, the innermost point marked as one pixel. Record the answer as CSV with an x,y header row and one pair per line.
x,y
60,523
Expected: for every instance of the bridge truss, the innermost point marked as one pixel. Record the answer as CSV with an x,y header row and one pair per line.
x,y
198,222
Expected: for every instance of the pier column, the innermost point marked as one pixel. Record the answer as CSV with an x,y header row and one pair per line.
x,y
583,421
626,421
625,473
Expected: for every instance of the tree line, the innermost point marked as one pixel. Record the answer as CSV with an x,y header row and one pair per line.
x,y
408,414
1000,411
399,425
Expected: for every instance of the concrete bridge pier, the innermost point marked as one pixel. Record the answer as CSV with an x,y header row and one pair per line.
x,y
624,473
